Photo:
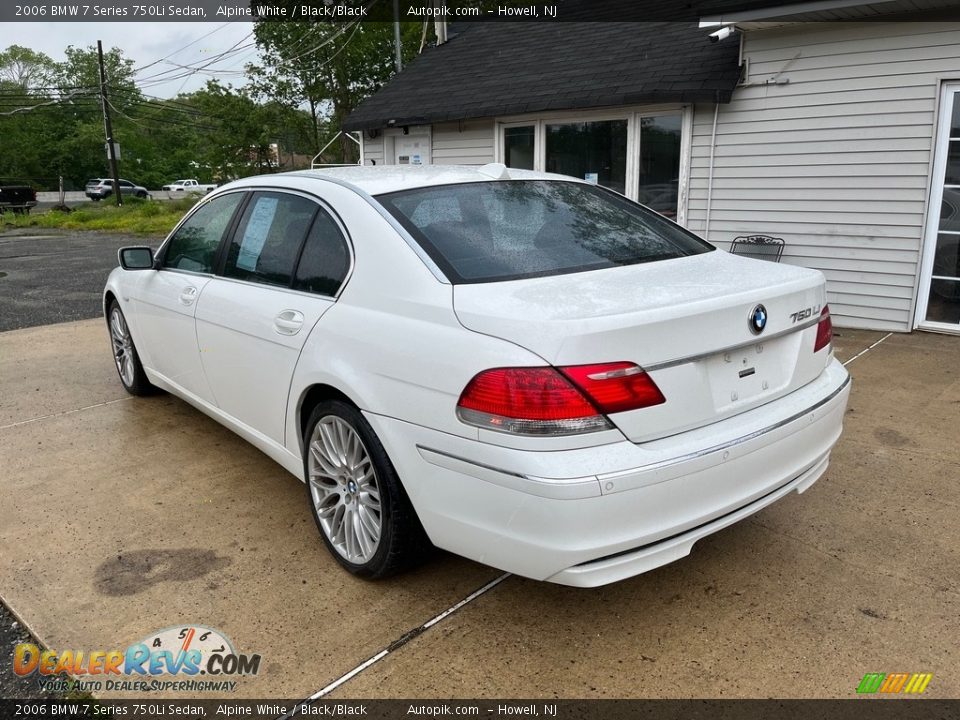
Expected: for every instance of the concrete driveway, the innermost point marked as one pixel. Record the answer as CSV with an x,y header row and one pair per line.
x,y
121,516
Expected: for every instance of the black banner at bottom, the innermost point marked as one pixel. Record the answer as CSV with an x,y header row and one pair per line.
x,y
855,709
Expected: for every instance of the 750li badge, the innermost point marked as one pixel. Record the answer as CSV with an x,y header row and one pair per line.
x,y
805,313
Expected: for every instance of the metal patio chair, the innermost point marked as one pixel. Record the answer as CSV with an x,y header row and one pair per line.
x,y
760,247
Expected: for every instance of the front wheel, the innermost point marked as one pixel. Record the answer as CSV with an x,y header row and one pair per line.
x,y
362,511
125,354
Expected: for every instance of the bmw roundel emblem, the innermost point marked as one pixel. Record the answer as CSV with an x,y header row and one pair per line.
x,y
758,319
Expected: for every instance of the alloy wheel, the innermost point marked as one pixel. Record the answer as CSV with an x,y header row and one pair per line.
x,y
122,346
344,489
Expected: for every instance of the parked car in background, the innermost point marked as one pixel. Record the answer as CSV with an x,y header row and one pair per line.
x,y
522,368
100,188
189,186
17,197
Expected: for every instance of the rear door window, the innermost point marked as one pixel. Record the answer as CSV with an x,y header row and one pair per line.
x,y
325,260
267,242
506,230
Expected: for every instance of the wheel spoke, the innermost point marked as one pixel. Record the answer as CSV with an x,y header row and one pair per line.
x,y
320,457
330,445
369,522
363,540
337,525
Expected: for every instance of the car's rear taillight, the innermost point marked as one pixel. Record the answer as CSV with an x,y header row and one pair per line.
x,y
615,387
555,401
824,330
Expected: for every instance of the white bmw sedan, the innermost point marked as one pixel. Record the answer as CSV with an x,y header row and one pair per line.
x,y
521,368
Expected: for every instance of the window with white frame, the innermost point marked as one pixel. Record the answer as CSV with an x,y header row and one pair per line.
x,y
639,153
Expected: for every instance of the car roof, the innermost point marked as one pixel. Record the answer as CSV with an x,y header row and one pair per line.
x,y
376,180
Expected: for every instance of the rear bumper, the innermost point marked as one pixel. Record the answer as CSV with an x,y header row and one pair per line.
x,y
592,516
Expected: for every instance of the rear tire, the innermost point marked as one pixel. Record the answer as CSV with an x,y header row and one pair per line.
x,y
125,355
358,503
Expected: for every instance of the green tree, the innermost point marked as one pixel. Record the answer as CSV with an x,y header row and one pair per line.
x,y
327,67
26,68
239,137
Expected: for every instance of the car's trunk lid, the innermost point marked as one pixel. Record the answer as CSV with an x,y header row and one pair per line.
x,y
686,321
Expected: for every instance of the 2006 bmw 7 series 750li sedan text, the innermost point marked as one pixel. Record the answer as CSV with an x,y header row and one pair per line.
x,y
525,369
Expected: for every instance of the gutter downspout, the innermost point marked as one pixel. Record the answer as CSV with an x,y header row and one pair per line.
x,y
713,148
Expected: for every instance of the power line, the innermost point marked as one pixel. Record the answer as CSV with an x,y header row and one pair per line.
x,y
177,52
26,109
164,121
165,75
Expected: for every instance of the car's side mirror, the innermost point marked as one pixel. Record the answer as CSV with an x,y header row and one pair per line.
x,y
136,258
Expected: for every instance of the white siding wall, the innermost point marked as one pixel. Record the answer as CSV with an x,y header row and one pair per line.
x,y
454,143
466,143
373,149
836,162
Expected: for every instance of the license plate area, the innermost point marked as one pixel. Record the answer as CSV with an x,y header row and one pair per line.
x,y
748,374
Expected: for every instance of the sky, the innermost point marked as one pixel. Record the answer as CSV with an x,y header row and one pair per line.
x,y
145,43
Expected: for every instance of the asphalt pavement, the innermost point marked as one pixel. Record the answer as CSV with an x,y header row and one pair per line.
x,y
49,276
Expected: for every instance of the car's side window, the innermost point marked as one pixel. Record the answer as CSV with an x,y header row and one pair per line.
x,y
267,241
194,246
325,260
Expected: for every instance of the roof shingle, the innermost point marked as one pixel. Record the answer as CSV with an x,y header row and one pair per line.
x,y
499,68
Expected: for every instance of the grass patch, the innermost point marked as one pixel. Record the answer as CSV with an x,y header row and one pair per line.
x,y
144,217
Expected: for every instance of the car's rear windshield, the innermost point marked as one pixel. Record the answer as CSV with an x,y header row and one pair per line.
x,y
507,230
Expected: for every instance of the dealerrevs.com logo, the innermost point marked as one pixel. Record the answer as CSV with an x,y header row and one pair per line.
x,y
894,683
191,658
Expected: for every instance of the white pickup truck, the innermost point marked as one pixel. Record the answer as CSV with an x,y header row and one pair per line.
x,y
188,186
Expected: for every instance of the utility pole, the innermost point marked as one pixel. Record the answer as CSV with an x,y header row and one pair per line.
x,y
108,126
396,33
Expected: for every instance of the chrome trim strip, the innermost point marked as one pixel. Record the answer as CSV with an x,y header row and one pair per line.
x,y
479,464
729,443
653,466
730,348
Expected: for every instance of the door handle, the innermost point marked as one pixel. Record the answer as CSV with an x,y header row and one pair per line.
x,y
288,322
188,295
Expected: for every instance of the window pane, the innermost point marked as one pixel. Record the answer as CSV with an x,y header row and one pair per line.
x,y
195,244
325,260
950,210
952,175
527,228
943,303
590,151
955,120
946,258
660,163
518,147
268,238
